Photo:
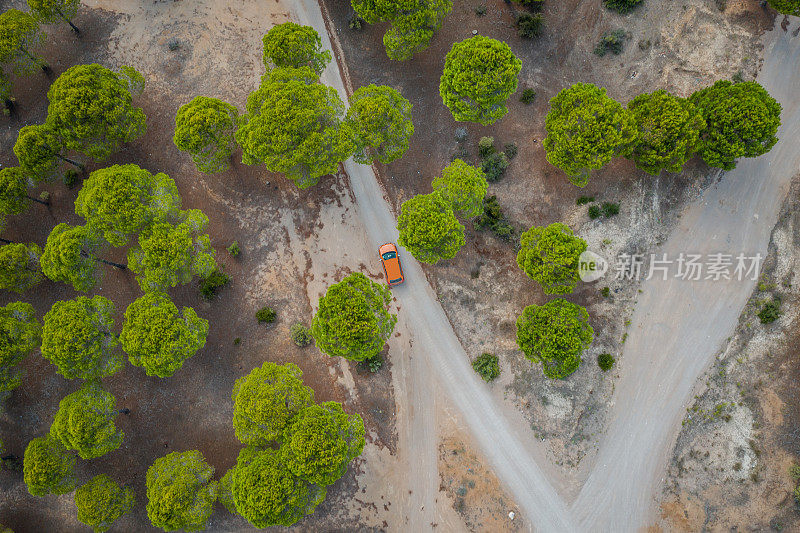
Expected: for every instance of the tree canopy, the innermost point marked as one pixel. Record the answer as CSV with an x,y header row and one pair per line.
x,y
14,198
321,441
554,334
294,126
265,400
480,74
91,111
381,122
550,255
294,45
19,35
585,129
19,266
123,200
206,128
48,468
264,491
180,491
49,11
20,334
85,422
38,150
464,186
168,255
78,338
69,256
413,23
669,131
101,502
429,228
353,319
158,337
741,118
786,7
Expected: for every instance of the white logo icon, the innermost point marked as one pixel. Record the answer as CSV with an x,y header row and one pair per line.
x,y
591,266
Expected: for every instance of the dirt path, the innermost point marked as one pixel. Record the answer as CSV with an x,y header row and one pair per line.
x,y
679,326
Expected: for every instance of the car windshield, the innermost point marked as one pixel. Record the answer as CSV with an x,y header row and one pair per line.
x,y
389,255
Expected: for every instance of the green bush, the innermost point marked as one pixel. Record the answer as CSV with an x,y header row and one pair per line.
x,y
71,177
211,284
535,5
492,218
605,361
356,22
487,366
234,249
495,166
583,200
611,41
266,315
372,364
528,96
594,211
486,147
511,150
605,292
610,209
530,25
301,335
770,311
480,11
621,6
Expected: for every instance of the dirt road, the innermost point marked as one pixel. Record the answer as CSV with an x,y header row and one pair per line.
x,y
678,326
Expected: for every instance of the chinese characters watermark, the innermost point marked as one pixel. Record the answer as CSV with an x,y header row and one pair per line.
x,y
686,266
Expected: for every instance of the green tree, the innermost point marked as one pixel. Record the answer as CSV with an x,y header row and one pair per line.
x,y
264,491
265,400
14,198
429,228
19,266
206,128
554,334
180,491
38,150
381,121
158,337
48,468
91,111
19,35
413,23
168,254
70,256
20,334
78,338
49,11
293,45
101,502
294,127
353,319
321,441
464,186
741,118
585,129
669,131
550,255
480,74
85,422
786,7
123,200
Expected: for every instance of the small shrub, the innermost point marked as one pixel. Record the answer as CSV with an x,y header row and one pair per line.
x,y
535,5
487,366
71,177
480,11
461,134
794,471
372,364
583,200
234,250
610,209
492,218
770,311
528,96
530,25
266,315
215,281
486,147
173,45
594,211
356,22
738,77
45,197
237,341
495,166
605,292
301,335
511,150
612,41
605,361
621,6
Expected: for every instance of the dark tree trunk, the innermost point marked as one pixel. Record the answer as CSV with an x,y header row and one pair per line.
x,y
68,160
40,201
84,253
74,27
43,65
6,241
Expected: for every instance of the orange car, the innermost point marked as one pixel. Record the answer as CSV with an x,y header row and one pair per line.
x,y
391,264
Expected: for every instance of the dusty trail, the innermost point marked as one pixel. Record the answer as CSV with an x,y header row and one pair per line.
x,y
678,326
